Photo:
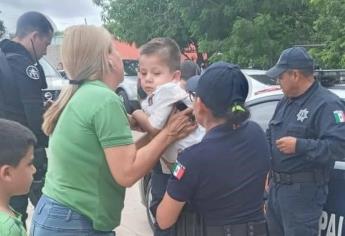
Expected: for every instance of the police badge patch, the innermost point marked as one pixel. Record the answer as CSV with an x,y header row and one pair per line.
x,y
32,72
302,115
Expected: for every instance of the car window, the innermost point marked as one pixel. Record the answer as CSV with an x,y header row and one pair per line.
x,y
130,67
264,79
262,113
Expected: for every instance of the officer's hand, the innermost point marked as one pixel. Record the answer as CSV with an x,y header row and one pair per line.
x,y
287,145
180,124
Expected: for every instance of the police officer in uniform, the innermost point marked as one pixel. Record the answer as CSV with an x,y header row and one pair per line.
x,y
222,178
306,135
22,79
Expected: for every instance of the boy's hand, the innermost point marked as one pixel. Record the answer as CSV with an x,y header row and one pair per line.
x,y
134,124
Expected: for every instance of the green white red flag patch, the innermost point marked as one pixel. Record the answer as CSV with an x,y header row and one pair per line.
x,y
178,170
339,116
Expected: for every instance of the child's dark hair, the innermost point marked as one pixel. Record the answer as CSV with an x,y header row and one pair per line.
x,y
166,48
15,141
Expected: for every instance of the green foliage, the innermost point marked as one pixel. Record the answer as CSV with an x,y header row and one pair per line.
x,y
139,21
330,29
251,33
2,28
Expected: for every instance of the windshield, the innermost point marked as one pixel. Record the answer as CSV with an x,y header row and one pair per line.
x,y
49,71
264,79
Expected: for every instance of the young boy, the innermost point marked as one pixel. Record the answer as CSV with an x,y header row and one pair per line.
x,y
16,172
159,73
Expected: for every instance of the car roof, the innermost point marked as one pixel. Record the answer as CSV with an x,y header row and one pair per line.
x,y
253,72
339,91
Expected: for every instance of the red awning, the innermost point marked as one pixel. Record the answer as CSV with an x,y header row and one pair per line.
x,y
126,50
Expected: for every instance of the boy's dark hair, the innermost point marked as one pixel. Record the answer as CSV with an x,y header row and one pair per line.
x,y
188,69
33,21
15,140
166,48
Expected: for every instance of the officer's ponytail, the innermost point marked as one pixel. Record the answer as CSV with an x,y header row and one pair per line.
x,y
236,114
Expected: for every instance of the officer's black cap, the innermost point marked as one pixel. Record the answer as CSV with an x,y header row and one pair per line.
x,y
221,86
292,58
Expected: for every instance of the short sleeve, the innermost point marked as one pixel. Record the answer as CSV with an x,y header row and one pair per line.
x,y
162,103
183,189
111,124
10,226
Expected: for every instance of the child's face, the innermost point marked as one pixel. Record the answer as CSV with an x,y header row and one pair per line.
x,y
154,72
22,174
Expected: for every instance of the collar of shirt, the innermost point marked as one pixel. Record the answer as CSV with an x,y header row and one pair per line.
x,y
222,130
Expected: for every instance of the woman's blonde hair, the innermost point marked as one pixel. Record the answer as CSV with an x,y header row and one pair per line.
x,y
84,53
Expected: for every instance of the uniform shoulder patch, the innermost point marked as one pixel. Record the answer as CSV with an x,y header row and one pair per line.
x,y
339,116
178,170
32,72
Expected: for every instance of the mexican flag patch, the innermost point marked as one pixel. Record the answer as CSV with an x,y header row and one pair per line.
x,y
339,116
178,170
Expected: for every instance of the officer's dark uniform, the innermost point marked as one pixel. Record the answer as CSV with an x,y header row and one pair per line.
x,y
224,178
22,102
299,181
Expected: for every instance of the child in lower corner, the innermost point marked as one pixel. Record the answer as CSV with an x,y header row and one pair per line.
x,y
16,173
159,74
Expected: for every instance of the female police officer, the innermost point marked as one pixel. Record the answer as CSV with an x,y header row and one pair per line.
x,y
223,176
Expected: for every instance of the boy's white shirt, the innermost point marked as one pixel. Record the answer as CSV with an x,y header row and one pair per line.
x,y
158,107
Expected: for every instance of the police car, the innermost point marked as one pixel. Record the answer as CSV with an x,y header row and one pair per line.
x,y
127,90
54,79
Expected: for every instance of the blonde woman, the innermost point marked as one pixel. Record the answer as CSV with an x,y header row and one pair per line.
x,y
92,157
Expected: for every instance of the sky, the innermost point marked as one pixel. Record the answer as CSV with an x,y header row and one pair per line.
x,y
62,12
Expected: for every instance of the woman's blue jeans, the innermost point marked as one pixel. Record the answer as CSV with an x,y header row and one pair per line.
x,y
54,219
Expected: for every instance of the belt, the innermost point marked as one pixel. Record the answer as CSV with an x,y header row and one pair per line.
x,y
248,229
300,177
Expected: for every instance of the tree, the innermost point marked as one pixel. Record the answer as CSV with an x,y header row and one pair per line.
x,y
2,28
330,30
251,33
140,21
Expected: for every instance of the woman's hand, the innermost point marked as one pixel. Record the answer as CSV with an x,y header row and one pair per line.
x,y
180,124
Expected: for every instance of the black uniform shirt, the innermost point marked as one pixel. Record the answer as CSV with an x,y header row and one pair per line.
x,y
224,175
314,118
22,93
